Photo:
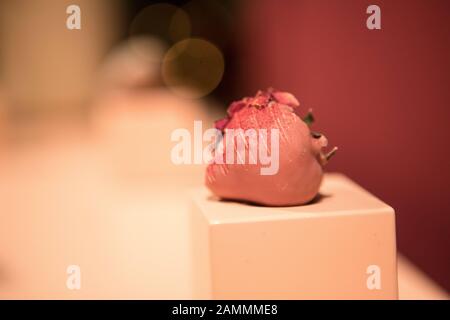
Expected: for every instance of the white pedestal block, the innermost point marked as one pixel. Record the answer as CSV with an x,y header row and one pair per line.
x,y
342,246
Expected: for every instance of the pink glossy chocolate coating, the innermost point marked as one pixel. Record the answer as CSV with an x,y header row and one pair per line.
x,y
300,159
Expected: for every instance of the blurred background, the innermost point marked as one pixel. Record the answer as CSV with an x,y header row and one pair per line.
x,y
86,117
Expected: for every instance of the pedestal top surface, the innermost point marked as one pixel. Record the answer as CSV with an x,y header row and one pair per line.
x,y
338,195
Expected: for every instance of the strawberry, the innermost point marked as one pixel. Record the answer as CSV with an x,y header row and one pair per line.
x,y
301,157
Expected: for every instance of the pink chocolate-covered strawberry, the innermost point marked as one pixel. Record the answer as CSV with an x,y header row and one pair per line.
x,y
296,152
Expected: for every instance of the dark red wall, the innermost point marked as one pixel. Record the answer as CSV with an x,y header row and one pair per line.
x,y
382,96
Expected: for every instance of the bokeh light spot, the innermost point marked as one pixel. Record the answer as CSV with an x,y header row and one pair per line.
x,y
164,21
193,67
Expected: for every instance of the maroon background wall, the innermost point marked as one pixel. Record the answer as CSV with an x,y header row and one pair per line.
x,y
382,96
